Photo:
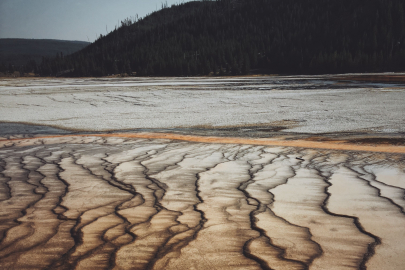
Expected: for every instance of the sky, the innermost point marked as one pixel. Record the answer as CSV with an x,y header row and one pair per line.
x,y
70,19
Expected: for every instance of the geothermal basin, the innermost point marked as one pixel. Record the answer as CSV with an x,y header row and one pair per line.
x,y
274,172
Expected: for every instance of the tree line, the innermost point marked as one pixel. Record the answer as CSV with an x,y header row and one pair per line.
x,y
233,37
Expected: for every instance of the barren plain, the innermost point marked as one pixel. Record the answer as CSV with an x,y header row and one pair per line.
x,y
292,172
306,104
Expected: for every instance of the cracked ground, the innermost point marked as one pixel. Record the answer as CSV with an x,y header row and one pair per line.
x,y
78,202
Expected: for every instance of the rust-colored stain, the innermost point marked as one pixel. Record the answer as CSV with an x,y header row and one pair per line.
x,y
331,145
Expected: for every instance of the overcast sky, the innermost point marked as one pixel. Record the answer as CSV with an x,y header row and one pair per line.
x,y
69,19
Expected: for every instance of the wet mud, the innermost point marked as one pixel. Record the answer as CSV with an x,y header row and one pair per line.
x,y
116,202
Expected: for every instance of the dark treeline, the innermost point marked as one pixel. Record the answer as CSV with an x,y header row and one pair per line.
x,y
240,36
29,67
23,55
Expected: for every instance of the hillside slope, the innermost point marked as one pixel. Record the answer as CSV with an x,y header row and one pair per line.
x,y
19,52
237,36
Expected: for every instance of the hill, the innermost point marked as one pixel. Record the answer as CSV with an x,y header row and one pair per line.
x,y
18,52
239,36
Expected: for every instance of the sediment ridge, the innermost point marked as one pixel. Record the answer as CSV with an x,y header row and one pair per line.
x,y
331,145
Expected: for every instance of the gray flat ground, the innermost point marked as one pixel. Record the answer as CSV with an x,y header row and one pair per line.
x,y
303,104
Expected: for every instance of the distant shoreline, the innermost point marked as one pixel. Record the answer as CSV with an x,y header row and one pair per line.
x,y
391,77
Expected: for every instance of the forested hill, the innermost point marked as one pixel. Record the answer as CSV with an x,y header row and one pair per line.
x,y
240,36
17,53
